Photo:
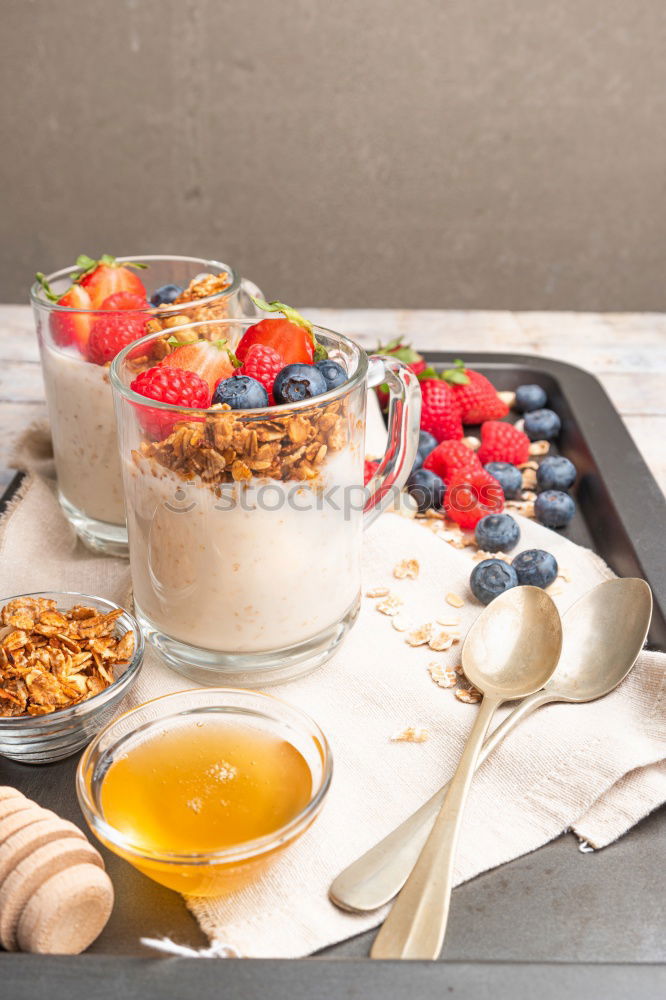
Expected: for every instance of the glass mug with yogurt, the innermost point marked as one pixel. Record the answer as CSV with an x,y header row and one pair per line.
x,y
78,391
245,525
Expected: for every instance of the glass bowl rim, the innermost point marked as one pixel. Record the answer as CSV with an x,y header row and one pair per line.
x,y
98,701
37,298
246,851
266,411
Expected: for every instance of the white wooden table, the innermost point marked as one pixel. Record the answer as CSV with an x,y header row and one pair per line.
x,y
627,352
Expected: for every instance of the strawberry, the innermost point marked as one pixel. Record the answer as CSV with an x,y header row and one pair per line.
x,y
292,337
169,385
68,329
369,469
210,359
124,300
403,352
449,457
440,415
502,442
103,277
110,333
470,495
476,395
263,364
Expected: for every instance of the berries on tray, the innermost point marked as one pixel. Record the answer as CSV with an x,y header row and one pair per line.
x,y
449,457
241,392
291,336
497,533
508,476
101,278
168,385
165,295
501,442
333,372
404,353
554,509
110,333
297,382
263,364
427,443
491,578
440,413
472,494
476,395
535,568
530,397
542,425
555,473
369,469
210,359
427,489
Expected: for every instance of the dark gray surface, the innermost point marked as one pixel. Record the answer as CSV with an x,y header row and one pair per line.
x,y
574,914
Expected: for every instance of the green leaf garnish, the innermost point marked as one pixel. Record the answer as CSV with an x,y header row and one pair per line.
x,y
456,375
320,353
46,288
86,265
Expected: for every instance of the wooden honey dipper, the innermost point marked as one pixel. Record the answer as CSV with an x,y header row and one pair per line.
x,y
55,897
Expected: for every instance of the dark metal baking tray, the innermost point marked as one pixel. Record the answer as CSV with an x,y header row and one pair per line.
x,y
559,921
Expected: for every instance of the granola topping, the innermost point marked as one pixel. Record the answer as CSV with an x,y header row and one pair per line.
x,y
52,659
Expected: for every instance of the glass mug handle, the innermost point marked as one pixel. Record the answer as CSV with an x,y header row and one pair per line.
x,y
248,291
404,418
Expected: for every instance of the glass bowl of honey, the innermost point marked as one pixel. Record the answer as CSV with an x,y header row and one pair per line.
x,y
202,789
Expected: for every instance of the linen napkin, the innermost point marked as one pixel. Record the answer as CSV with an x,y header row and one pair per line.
x,y
595,768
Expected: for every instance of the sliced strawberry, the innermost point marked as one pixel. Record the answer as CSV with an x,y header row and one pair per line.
x,y
102,278
71,329
470,495
209,359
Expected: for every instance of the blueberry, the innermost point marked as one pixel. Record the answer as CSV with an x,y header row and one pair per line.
x,y
418,461
497,533
297,382
508,476
554,508
535,568
241,393
530,397
542,425
426,488
427,443
555,473
333,373
165,295
491,578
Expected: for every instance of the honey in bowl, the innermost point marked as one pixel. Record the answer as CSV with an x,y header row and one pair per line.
x,y
205,786
202,788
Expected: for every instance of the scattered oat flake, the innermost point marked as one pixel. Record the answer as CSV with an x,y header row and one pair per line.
x,y
378,592
408,569
565,575
508,397
539,447
420,636
528,496
472,442
449,619
555,589
401,623
390,605
470,696
481,555
438,643
443,676
455,601
411,735
529,479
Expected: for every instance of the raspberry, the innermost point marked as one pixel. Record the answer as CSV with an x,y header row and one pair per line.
x,y
471,495
169,385
440,414
109,334
369,470
450,456
502,442
124,300
263,364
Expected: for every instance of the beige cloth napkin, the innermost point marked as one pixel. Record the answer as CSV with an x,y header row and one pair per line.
x,y
595,768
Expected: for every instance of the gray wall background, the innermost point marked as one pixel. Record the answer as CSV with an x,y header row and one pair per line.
x,y
434,153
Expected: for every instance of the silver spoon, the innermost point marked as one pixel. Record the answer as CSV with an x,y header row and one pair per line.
x,y
604,632
510,651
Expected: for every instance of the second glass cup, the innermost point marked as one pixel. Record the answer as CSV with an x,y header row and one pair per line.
x,y
245,525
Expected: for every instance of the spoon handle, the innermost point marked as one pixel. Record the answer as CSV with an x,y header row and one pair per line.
x,y
416,925
379,874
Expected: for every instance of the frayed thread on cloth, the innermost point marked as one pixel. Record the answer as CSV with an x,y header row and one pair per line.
x,y
168,947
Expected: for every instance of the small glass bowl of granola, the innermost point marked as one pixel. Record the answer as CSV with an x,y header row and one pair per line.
x,y
66,662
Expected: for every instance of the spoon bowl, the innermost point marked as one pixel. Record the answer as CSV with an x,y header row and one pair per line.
x,y
604,632
513,646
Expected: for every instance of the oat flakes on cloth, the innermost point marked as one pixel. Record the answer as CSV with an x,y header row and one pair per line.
x,y
596,768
